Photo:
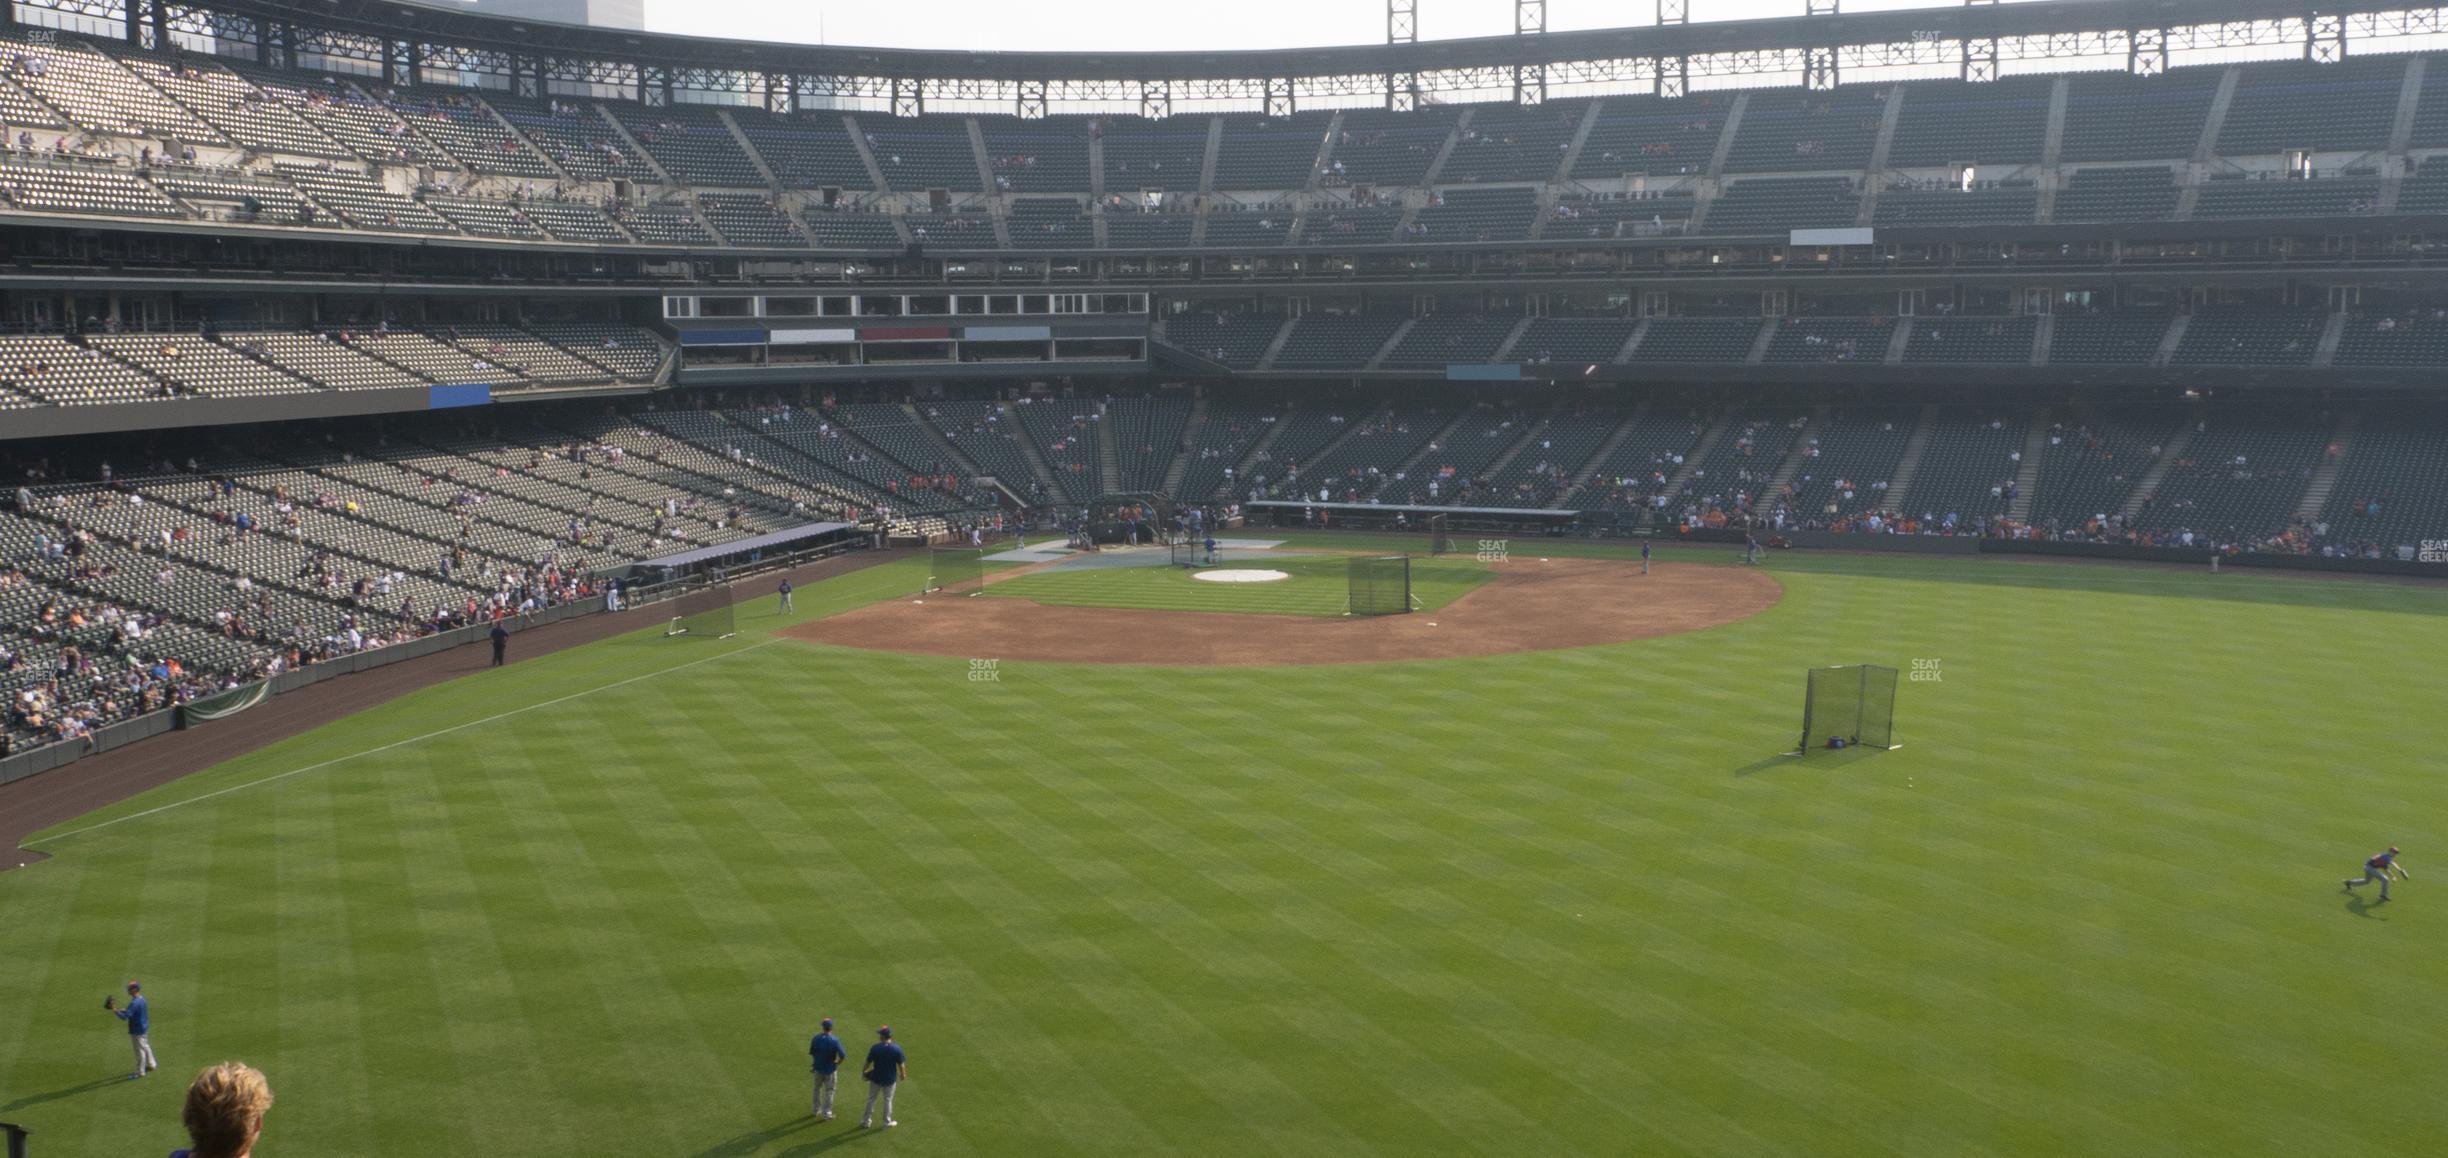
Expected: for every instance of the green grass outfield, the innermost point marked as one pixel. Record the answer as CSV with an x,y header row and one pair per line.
x,y
1319,585
593,903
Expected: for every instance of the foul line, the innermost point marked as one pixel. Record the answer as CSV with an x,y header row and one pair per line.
x,y
403,743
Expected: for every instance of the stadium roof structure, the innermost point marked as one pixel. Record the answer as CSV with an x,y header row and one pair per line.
x,y
405,42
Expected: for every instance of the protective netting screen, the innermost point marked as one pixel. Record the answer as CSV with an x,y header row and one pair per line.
x,y
1381,585
1855,703
954,568
1440,536
705,611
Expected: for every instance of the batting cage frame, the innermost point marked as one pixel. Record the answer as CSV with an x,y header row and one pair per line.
x,y
1440,536
704,613
1380,585
1851,702
1189,554
951,568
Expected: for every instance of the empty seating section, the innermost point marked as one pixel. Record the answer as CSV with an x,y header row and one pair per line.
x,y
1037,156
234,198
2242,475
1697,340
750,219
1125,229
1218,446
1783,130
354,119
1346,225
1301,434
1441,339
1505,143
243,113
52,369
1379,148
1778,204
984,433
2408,338
692,144
928,153
1327,342
2426,189
1162,154
96,92
1985,205
1968,455
1477,215
575,136
2002,122
1831,340
2323,107
2250,335
850,229
894,432
1450,471
1573,341
1856,452
485,218
2107,338
1265,154
2333,197
464,127
1646,135
1651,215
573,221
973,229
1145,432
2147,193
19,109
77,187
2090,465
1050,223
2115,116
1939,338
362,201
1547,461
321,359
196,365
1065,433
806,151
2392,485
1236,342
1249,227
524,352
628,351
809,444
667,223
432,357
1357,468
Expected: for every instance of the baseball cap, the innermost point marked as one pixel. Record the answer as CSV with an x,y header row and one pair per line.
x,y
883,1031
133,987
828,1022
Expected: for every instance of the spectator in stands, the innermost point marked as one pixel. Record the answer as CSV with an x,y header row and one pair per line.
x,y
225,1111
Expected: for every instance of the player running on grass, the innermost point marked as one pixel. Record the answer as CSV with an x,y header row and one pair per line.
x,y
2378,868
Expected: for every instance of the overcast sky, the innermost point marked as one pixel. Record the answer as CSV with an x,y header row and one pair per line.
x,y
1107,26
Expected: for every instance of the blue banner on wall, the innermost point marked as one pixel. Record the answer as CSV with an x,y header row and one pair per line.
x,y
446,397
1502,372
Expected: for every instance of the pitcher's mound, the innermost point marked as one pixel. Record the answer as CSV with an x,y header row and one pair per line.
x,y
1528,606
1241,575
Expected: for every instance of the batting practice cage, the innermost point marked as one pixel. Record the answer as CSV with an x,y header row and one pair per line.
x,y
704,612
951,567
1189,554
1854,704
1440,536
1143,518
1380,585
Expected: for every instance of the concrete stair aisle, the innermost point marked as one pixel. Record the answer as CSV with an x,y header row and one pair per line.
x,y
2324,354
1253,456
1028,450
2173,338
630,146
1435,444
1512,338
1899,485
2324,479
866,156
2148,489
1760,344
1529,436
1709,438
1109,461
739,136
1582,474
1772,492
1377,360
1436,165
1283,333
2027,480
1181,454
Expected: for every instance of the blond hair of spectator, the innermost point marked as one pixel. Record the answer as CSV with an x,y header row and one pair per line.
x,y
225,1110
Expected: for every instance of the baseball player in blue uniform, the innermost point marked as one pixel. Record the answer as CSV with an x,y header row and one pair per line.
x,y
826,1051
2377,868
139,1019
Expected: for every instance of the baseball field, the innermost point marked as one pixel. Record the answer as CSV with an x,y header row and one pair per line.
x,y
1566,899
